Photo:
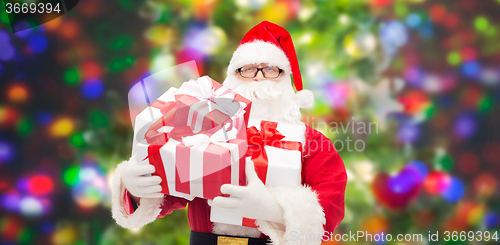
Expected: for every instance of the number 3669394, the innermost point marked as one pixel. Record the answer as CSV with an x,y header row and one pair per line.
x,y
25,8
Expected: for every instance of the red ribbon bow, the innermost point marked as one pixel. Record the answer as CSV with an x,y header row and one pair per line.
x,y
268,135
154,137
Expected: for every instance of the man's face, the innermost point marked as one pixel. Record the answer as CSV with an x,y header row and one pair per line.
x,y
272,97
260,76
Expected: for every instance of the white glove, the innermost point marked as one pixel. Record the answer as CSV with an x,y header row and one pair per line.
x,y
252,201
136,180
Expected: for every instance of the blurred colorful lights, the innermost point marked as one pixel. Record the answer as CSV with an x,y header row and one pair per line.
x,y
6,152
455,191
485,184
404,181
30,206
87,174
64,235
44,118
421,169
71,76
10,227
206,40
437,12
10,201
92,89
91,70
40,185
70,176
413,20
37,43
62,127
470,69
481,23
437,182
337,94
25,27
394,33
491,219
465,125
408,133
17,93
7,51
254,4
88,185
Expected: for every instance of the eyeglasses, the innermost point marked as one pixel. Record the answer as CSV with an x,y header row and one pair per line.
x,y
251,72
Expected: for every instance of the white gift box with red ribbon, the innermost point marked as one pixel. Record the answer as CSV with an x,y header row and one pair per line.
x,y
283,168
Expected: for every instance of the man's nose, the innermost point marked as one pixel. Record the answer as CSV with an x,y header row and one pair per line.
x,y
259,77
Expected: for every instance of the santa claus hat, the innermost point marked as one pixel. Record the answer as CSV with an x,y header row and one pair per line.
x,y
267,43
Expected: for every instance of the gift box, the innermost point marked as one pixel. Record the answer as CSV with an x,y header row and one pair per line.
x,y
276,150
192,164
205,104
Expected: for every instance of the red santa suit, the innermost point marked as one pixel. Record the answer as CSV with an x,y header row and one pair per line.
x,y
320,199
313,209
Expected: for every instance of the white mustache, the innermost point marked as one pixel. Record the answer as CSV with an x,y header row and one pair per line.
x,y
261,90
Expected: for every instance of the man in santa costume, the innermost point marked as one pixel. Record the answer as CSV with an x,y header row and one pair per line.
x,y
260,71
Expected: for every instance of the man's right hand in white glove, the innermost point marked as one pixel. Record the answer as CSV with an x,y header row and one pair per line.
x,y
136,180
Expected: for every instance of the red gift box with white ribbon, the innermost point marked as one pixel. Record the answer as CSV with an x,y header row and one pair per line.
x,y
194,158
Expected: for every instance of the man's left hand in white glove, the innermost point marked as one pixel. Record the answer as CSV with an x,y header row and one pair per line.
x,y
253,201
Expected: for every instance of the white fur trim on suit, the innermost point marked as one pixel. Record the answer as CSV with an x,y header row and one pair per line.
x,y
304,217
145,213
257,52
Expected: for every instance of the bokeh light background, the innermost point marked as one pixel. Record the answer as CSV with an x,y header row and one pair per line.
x,y
424,73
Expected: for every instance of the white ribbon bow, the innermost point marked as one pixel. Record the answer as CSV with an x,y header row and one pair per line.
x,y
221,99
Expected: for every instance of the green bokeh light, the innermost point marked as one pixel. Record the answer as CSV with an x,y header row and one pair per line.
x,y
24,127
25,236
70,176
400,9
98,118
485,104
125,42
121,64
454,58
4,18
127,4
77,140
430,111
443,162
71,76
481,23
340,72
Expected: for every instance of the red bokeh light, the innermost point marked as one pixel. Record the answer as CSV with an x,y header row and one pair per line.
x,y
437,12
485,184
381,3
40,185
91,70
437,182
468,54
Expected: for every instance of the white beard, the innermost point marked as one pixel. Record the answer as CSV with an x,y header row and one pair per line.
x,y
273,101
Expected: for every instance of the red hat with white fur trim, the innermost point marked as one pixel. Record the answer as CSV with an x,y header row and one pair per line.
x,y
268,43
